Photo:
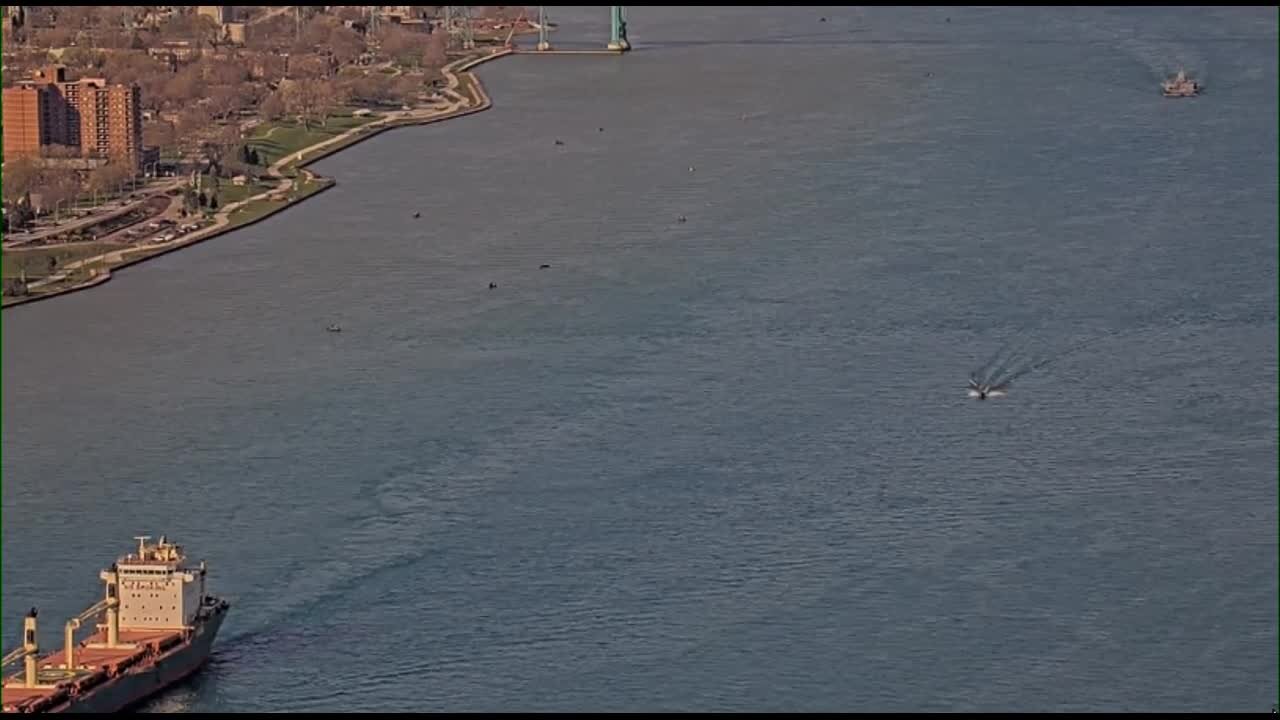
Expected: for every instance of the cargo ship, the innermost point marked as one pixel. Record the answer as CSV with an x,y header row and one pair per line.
x,y
157,627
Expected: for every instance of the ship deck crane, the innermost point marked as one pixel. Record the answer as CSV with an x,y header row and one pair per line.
x,y
69,633
30,647
28,653
13,657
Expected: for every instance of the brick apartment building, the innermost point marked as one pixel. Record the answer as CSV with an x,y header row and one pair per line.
x,y
89,116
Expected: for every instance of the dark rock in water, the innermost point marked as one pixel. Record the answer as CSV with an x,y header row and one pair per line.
x,y
822,19
544,266
417,214
559,142
680,219
601,129
493,285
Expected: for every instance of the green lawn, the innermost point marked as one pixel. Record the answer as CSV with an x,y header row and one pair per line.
x,y
275,140
309,186
260,208
229,192
253,211
36,260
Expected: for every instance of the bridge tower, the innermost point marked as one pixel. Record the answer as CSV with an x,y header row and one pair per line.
x,y
457,20
543,42
618,29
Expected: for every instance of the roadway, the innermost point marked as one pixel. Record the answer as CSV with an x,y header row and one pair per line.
x,y
96,215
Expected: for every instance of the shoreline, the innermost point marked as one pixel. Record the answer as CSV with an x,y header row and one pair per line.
x,y
298,161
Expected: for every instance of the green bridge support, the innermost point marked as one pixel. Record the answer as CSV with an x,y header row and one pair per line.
x,y
618,41
544,43
618,29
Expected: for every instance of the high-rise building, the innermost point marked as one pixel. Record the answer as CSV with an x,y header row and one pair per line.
x,y
110,121
26,128
88,115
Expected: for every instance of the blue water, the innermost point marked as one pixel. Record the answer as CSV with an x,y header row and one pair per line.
x,y
726,463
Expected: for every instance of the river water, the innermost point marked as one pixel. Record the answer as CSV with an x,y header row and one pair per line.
x,y
725,463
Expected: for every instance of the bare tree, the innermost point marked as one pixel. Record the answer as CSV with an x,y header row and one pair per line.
x,y
61,151
350,13
404,90
114,16
310,101
315,33
271,66
229,71
193,120
83,59
57,187
131,66
436,54
153,90
273,107
250,94
109,177
159,134
206,31
308,67
184,88
403,47
222,147
501,12
273,35
373,88
224,101
346,45
77,17
21,176
53,37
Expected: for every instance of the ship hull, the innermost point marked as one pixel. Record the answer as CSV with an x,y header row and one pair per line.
x,y
143,683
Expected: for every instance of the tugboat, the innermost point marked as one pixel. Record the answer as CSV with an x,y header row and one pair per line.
x,y
1180,86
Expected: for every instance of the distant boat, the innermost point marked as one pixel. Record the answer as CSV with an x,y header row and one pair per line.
x,y
334,328
982,391
1180,86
